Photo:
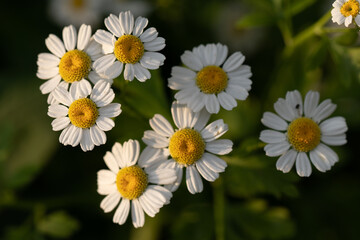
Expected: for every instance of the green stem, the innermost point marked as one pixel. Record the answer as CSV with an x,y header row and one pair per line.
x,y
219,209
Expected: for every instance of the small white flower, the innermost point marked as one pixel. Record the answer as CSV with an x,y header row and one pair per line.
x,y
129,180
205,83
345,11
83,120
77,12
191,145
306,136
69,61
128,44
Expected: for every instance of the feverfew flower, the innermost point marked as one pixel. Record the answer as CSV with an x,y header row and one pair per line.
x,y
306,135
69,61
191,145
77,12
209,81
84,119
345,11
128,179
128,44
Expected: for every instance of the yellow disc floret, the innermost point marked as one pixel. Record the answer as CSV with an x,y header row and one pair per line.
x,y
128,49
304,134
211,79
74,66
83,113
351,7
131,182
186,146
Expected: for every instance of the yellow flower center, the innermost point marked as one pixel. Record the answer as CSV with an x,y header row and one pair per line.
x,y
77,3
128,49
74,66
304,134
186,146
351,7
83,113
211,79
131,182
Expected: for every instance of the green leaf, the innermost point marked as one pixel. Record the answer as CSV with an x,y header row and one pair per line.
x,y
58,224
256,220
348,37
297,6
256,19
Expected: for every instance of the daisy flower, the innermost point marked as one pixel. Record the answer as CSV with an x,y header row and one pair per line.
x,y
128,44
345,11
69,61
132,180
191,145
84,119
77,12
209,81
300,132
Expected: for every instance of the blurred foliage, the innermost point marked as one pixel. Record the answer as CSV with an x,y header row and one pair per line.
x,y
48,191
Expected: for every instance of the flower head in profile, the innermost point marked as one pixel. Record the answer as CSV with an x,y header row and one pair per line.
x,y
211,79
192,145
134,182
84,114
77,12
345,11
301,134
128,46
70,60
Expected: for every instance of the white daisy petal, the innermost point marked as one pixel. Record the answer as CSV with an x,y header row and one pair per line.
x,y
129,72
179,174
191,61
69,36
137,213
333,126
122,212
131,151
114,70
162,176
156,45
202,120
214,130
86,143
193,180
214,163
55,45
110,201
294,101
221,54
106,189
113,25
286,161
243,72
326,154
325,109
273,121
184,95
311,102
141,73
270,136
205,172
97,136
152,60
117,151
212,103
84,36
140,24
60,123
149,35
155,140
46,73
321,163
147,206
149,156
105,123
103,63
303,167
285,111
80,89
183,73
234,62
236,91
197,102
104,38
161,126
220,146
334,140
348,20
111,110
47,60
50,85
105,177
182,115
210,54
276,149
226,101
126,22
111,162
56,110
63,96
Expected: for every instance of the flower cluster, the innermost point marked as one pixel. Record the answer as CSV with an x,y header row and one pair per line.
x,y
79,73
